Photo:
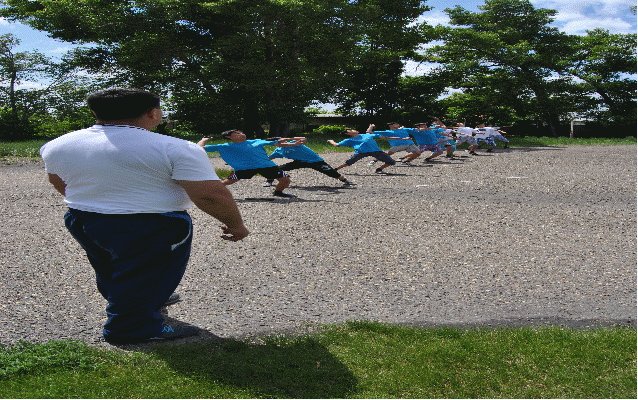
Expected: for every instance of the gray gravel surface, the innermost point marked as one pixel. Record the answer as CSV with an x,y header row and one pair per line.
x,y
523,236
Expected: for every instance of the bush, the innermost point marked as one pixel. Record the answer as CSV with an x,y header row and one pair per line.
x,y
330,129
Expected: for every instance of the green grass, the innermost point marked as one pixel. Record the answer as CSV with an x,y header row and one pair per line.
x,y
352,360
545,141
26,148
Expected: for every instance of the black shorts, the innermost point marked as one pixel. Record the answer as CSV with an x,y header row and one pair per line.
x,y
268,173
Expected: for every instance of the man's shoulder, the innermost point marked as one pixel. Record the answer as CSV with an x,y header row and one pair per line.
x,y
75,136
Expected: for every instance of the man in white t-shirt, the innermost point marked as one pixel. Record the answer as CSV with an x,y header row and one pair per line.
x,y
127,190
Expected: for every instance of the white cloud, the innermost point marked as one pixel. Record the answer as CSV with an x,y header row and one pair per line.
x,y
579,26
4,23
577,16
59,50
573,16
434,18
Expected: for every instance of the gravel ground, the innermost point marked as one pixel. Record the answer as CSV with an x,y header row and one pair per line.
x,y
523,236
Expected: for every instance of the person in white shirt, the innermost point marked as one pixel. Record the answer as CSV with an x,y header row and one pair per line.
x,y
497,134
127,190
466,134
484,135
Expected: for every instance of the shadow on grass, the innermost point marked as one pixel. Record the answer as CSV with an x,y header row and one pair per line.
x,y
275,367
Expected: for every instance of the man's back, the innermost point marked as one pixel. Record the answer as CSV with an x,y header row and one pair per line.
x,y
124,169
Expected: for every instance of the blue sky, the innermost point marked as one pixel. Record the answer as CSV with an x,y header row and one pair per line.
x,y
574,17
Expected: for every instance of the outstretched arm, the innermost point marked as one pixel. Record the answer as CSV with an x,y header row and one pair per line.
x,y
332,142
204,140
290,142
393,138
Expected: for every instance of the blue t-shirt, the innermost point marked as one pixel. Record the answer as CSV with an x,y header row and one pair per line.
x,y
363,143
245,155
300,153
426,137
438,132
401,132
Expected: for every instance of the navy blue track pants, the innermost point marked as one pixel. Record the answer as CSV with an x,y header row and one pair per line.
x,y
139,260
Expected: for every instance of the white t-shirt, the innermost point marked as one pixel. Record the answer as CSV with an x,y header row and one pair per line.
x,y
120,169
466,130
486,132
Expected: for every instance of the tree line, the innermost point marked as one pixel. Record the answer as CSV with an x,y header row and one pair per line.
x,y
245,63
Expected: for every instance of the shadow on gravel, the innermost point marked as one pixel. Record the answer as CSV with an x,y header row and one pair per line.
x,y
327,189
279,200
530,149
297,367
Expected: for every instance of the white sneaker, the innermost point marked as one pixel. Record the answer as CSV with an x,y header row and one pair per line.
x,y
267,184
372,162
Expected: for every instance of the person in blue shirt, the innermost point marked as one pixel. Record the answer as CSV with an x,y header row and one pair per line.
x,y
395,129
428,140
305,157
364,145
249,158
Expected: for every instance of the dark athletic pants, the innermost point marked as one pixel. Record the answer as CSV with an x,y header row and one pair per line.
x,y
319,166
139,259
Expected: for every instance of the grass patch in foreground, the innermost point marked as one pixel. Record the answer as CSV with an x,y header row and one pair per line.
x,y
353,360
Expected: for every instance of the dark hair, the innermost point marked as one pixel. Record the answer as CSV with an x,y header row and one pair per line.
x,y
345,131
421,123
122,103
229,132
392,123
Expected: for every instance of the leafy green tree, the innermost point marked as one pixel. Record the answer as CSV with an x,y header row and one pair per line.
x,y
604,63
244,62
388,34
32,86
418,97
512,39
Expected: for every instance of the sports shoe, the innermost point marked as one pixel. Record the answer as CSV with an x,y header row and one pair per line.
x,y
167,333
372,162
282,194
175,332
348,183
174,298
405,162
488,150
267,184
473,152
379,171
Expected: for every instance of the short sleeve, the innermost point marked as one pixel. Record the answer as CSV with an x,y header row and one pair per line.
x,y
190,163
